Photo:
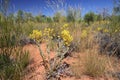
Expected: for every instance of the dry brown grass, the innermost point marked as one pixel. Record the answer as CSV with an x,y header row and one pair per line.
x,y
95,65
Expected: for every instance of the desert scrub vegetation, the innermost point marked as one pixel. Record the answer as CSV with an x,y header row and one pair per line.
x,y
95,65
12,63
13,60
96,36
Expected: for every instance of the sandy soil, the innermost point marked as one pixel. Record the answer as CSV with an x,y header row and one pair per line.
x,y
36,71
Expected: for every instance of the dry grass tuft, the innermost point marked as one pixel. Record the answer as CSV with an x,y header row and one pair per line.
x,y
93,64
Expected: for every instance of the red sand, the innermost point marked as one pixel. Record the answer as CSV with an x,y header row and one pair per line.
x,y
36,71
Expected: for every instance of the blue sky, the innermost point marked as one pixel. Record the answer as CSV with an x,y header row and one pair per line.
x,y
41,6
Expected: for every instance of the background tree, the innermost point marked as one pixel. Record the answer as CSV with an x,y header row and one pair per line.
x,y
20,16
37,18
105,14
115,19
98,17
11,18
28,16
49,19
89,17
4,6
57,17
116,9
43,18
73,14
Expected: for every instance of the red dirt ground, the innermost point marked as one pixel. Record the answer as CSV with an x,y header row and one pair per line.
x,y
36,71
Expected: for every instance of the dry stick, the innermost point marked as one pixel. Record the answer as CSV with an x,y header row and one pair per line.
x,y
113,51
60,60
61,57
48,52
44,61
57,52
56,64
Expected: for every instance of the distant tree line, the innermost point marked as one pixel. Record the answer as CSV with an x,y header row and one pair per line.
x,y
72,15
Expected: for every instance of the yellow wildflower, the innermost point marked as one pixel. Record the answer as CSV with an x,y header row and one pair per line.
x,y
48,32
99,28
67,38
106,30
65,26
84,34
36,34
116,30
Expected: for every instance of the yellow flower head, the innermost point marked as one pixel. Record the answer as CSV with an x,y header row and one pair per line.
x,y
67,38
106,30
48,32
36,34
99,28
116,30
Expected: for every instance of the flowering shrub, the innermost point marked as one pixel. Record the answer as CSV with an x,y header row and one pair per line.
x,y
62,39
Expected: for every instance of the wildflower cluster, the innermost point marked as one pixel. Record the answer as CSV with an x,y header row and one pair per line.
x,y
84,34
48,32
117,30
103,29
36,34
106,30
65,26
99,28
67,38
101,22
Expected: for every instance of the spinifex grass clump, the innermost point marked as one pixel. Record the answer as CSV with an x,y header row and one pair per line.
x,y
12,58
91,64
95,65
12,63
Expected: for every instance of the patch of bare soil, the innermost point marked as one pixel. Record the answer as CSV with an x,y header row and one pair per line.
x,y
35,70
